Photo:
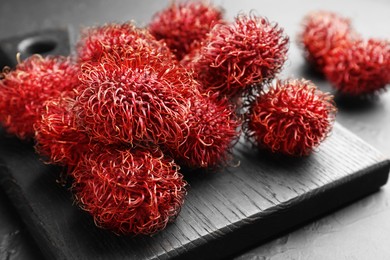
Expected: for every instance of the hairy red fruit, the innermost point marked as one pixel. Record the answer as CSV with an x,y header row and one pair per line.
x,y
135,99
210,131
118,39
24,90
58,135
190,60
129,192
183,26
292,118
323,31
236,56
359,67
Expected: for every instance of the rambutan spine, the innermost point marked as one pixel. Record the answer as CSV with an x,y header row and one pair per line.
x,y
235,57
359,67
58,135
135,100
211,129
293,117
129,192
183,26
322,32
24,89
117,38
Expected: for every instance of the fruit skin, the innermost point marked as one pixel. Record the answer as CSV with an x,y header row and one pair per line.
x,y
59,137
24,90
237,56
134,91
117,39
129,192
137,99
211,128
359,67
322,32
292,117
183,26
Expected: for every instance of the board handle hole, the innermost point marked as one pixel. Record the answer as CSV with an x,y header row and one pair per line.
x,y
37,45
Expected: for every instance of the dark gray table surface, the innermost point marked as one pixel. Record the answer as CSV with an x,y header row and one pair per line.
x,y
358,231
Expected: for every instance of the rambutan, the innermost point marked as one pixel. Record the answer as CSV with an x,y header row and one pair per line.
x,y
183,26
191,59
129,191
58,135
237,56
292,117
359,67
136,99
118,38
210,130
323,31
24,90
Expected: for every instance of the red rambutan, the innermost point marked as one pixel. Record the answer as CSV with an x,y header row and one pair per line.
x,y
323,31
191,59
359,67
183,26
136,99
118,39
292,118
24,90
129,192
237,56
210,130
58,136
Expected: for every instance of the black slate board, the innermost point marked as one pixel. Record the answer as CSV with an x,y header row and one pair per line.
x,y
224,212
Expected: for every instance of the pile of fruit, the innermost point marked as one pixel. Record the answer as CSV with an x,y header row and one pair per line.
x,y
136,105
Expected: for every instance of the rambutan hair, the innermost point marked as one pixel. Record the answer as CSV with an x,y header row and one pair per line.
x,y
24,90
237,56
183,26
292,117
117,38
134,99
190,60
211,129
359,67
129,191
59,137
323,31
